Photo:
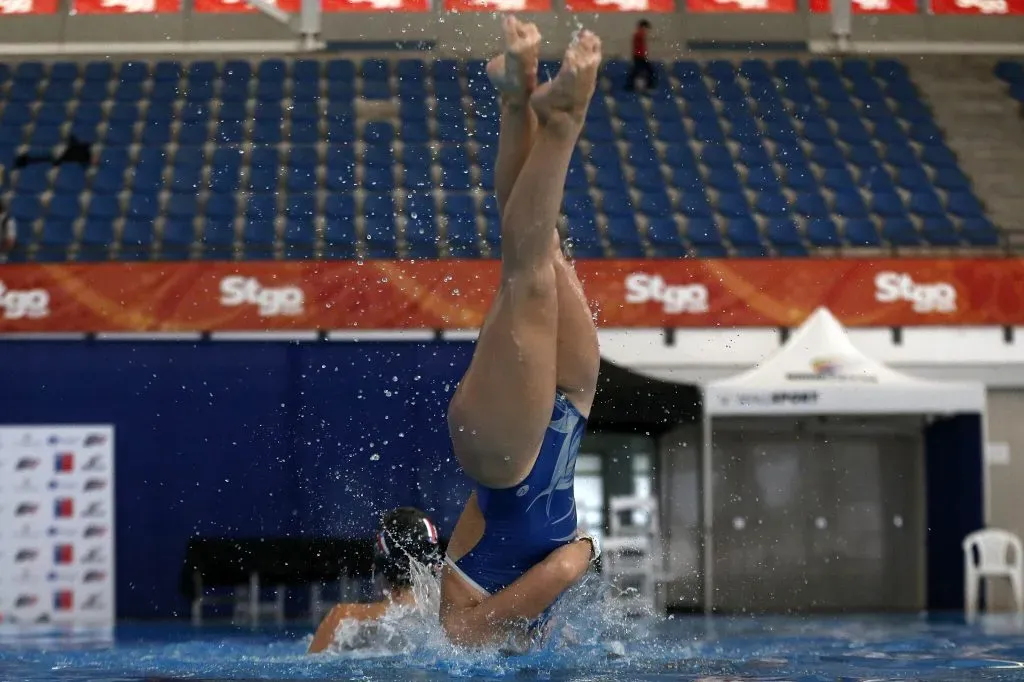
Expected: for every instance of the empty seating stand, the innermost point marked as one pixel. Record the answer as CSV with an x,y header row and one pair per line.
x,y
275,159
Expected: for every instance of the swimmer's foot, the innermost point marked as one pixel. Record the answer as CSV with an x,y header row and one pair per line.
x,y
568,95
514,72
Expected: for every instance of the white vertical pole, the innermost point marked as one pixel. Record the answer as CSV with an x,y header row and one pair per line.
x,y
310,24
842,23
708,510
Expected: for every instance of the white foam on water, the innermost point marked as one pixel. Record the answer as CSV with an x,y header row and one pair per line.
x,y
590,616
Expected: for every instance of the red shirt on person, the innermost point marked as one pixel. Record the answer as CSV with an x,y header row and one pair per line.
x,y
640,44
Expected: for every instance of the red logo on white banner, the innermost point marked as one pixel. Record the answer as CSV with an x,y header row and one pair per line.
x,y
239,6
620,5
871,6
710,6
497,5
28,6
125,6
984,7
376,5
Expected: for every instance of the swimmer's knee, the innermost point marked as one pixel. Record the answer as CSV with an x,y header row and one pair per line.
x,y
536,282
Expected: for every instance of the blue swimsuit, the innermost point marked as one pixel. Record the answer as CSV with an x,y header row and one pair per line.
x,y
525,523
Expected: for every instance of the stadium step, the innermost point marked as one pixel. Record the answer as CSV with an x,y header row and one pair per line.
x,y
983,128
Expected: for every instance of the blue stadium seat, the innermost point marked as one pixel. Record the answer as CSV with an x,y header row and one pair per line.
x,y
339,226
225,170
888,204
222,206
964,205
743,234
900,231
33,179
217,238
26,209
96,241
259,229
55,240
951,180
938,155
822,232
103,209
378,179
926,203
940,231
177,239
167,71
663,236
302,169
263,170
979,232
182,207
463,239
63,208
704,238
861,232
300,240
137,238
379,213
187,179
624,238
784,236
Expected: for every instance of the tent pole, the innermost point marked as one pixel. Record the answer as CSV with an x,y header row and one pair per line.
x,y
708,510
986,474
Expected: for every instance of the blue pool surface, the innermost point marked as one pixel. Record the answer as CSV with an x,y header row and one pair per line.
x,y
682,648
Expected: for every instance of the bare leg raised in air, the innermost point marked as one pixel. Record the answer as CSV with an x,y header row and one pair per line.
x,y
520,410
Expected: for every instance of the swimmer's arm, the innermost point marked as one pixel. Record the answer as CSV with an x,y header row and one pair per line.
x,y
524,600
324,636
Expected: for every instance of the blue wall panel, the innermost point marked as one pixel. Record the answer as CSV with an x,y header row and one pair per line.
x,y
244,439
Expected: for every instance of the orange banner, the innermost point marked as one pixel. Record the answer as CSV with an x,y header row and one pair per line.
x,y
331,295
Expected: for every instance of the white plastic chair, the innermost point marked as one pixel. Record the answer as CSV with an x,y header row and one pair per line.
x,y
992,553
632,550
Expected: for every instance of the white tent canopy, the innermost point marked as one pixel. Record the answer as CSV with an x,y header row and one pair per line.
x,y
820,371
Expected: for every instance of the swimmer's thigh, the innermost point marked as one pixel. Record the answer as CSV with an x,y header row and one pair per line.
x,y
502,408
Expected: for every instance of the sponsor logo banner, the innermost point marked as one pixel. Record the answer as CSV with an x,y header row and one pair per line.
x,y
620,5
766,6
871,6
258,296
28,6
982,7
125,6
497,5
56,524
238,6
376,5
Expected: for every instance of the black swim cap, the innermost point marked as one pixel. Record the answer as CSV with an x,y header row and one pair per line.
x,y
406,533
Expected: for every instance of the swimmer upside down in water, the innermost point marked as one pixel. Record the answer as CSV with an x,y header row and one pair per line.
x,y
406,535
519,413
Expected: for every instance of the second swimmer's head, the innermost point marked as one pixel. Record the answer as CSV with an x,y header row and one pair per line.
x,y
406,534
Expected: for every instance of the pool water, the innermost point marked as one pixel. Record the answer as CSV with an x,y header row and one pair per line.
x,y
680,648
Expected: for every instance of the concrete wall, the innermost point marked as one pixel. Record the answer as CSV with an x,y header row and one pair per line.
x,y
474,33
1006,481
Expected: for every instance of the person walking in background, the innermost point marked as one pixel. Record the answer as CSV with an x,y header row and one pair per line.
x,y
641,64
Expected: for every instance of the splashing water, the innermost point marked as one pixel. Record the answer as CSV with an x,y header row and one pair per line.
x,y
589,615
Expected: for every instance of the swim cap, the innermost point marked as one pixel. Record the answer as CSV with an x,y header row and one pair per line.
x,y
405,533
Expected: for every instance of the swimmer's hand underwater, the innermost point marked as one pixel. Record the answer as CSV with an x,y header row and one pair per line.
x,y
491,620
